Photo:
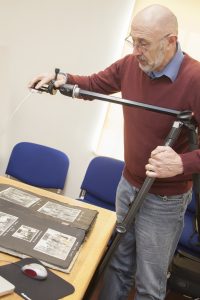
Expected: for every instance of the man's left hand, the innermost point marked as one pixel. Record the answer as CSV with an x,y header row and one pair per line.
x,y
164,162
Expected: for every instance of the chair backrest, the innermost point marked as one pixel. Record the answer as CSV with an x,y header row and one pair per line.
x,y
38,165
100,182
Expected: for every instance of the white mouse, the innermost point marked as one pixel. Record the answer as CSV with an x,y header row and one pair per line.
x,y
35,271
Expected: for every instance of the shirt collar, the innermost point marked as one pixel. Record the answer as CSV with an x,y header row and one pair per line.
x,y
172,68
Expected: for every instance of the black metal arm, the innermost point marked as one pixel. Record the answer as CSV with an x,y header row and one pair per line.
x,y
75,92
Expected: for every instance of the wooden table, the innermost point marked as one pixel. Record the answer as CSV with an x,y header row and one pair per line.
x,y
91,251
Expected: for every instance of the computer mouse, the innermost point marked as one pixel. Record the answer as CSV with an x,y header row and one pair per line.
x,y
35,271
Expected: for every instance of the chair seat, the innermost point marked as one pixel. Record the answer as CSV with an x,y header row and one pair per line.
x,y
98,202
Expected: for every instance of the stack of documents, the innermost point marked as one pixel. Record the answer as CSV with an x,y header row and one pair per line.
x,y
43,228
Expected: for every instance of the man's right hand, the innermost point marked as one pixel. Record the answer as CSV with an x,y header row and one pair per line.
x,y
43,79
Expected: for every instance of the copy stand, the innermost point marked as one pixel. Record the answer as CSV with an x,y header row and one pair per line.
x,y
183,118
136,204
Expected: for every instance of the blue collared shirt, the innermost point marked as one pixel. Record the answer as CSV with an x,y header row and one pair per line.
x,y
172,68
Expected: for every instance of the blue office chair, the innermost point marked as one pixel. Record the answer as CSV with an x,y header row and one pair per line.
x,y
189,239
185,267
100,182
38,165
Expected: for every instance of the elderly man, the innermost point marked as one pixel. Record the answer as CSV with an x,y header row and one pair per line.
x,y
156,73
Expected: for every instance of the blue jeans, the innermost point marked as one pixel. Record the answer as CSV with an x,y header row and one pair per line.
x,y
145,251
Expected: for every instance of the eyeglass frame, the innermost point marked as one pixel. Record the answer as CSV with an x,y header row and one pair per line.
x,y
145,46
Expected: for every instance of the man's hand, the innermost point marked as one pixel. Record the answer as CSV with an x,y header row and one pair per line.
x,y
45,78
164,162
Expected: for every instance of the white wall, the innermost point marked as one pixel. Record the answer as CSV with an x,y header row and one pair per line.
x,y
78,36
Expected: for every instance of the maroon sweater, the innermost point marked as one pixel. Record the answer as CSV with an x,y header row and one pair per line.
x,y
144,130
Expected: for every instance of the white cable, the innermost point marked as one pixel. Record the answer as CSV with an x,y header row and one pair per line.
x,y
15,111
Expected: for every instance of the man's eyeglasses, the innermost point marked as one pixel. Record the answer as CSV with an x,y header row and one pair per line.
x,y
143,45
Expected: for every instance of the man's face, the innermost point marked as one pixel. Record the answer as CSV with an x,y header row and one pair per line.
x,y
150,50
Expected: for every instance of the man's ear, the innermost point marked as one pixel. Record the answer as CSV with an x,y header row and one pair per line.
x,y
172,39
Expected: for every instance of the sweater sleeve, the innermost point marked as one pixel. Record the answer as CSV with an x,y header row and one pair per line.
x,y
107,81
191,162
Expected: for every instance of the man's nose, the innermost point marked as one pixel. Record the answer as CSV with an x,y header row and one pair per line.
x,y
137,50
